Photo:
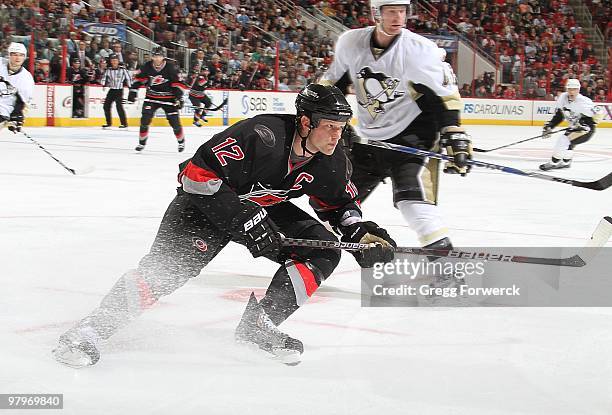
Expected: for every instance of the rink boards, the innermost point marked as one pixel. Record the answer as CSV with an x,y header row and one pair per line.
x,y
52,106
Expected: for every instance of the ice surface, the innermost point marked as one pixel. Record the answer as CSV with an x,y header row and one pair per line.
x,y
66,239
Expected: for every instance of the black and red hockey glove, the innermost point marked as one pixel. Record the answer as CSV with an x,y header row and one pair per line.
x,y
253,227
382,244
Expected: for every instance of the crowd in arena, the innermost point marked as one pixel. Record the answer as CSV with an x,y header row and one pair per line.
x,y
535,45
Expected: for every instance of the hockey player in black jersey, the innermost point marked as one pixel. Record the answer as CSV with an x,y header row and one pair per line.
x,y
164,90
78,77
237,188
198,97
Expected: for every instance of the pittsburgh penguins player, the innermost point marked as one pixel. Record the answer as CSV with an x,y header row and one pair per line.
x,y
16,87
237,188
579,111
165,91
406,96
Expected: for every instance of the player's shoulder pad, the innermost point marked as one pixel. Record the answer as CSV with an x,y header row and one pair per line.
x,y
419,42
270,129
352,37
340,162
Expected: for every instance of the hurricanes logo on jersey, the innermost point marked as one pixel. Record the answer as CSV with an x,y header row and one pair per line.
x,y
158,80
378,90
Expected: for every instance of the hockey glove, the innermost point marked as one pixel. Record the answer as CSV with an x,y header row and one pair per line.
x,y
458,145
178,103
547,131
132,96
15,123
369,233
253,226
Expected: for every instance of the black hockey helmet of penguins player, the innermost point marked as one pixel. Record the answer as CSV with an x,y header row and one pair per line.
x,y
319,102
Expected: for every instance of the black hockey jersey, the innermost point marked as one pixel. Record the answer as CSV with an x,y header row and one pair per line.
x,y
250,161
77,76
198,86
162,84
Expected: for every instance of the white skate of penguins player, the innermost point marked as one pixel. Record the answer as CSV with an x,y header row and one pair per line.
x,y
16,88
579,112
237,188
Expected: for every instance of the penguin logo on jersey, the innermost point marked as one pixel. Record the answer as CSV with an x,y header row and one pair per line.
x,y
378,90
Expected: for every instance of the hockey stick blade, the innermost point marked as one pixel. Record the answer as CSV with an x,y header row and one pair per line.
x,y
573,261
480,150
601,184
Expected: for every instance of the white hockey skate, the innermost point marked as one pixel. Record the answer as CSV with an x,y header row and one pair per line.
x,y
76,351
257,329
139,147
551,165
181,146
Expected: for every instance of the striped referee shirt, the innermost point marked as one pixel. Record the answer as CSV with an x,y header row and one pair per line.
x,y
114,78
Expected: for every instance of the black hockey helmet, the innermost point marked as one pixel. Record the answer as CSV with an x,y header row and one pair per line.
x,y
75,60
113,56
158,51
322,101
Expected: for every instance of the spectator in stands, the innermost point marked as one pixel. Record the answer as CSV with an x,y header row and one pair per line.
x,y
118,50
42,73
465,90
481,92
81,53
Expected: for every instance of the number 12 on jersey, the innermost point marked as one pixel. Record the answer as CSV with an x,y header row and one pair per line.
x,y
227,150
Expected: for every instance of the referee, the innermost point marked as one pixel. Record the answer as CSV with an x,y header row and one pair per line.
x,y
115,77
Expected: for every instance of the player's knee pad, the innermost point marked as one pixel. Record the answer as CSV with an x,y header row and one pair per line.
x,y
326,260
425,220
291,287
147,115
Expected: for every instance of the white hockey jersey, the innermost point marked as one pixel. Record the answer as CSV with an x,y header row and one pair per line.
x,y
21,83
574,110
385,85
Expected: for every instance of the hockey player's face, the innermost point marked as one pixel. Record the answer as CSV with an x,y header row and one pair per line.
x,y
393,19
325,137
572,93
16,59
157,60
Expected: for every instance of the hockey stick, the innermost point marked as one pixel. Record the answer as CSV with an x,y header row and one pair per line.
x,y
600,184
479,150
73,171
573,261
217,108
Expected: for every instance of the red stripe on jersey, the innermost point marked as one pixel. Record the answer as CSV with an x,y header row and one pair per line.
x,y
141,78
308,277
179,85
321,205
197,173
160,96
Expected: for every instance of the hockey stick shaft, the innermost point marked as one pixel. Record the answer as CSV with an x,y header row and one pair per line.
x,y
48,153
601,184
479,150
217,108
574,261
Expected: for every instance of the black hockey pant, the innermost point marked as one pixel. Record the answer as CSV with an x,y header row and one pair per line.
x,y
172,115
186,241
414,178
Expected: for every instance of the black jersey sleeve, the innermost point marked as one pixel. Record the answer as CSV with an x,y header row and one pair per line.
x,y
219,167
336,200
556,119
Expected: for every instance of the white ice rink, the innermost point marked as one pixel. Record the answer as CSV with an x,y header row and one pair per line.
x,y
66,239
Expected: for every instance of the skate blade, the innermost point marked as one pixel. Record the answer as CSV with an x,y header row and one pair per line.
x,y
75,360
285,356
